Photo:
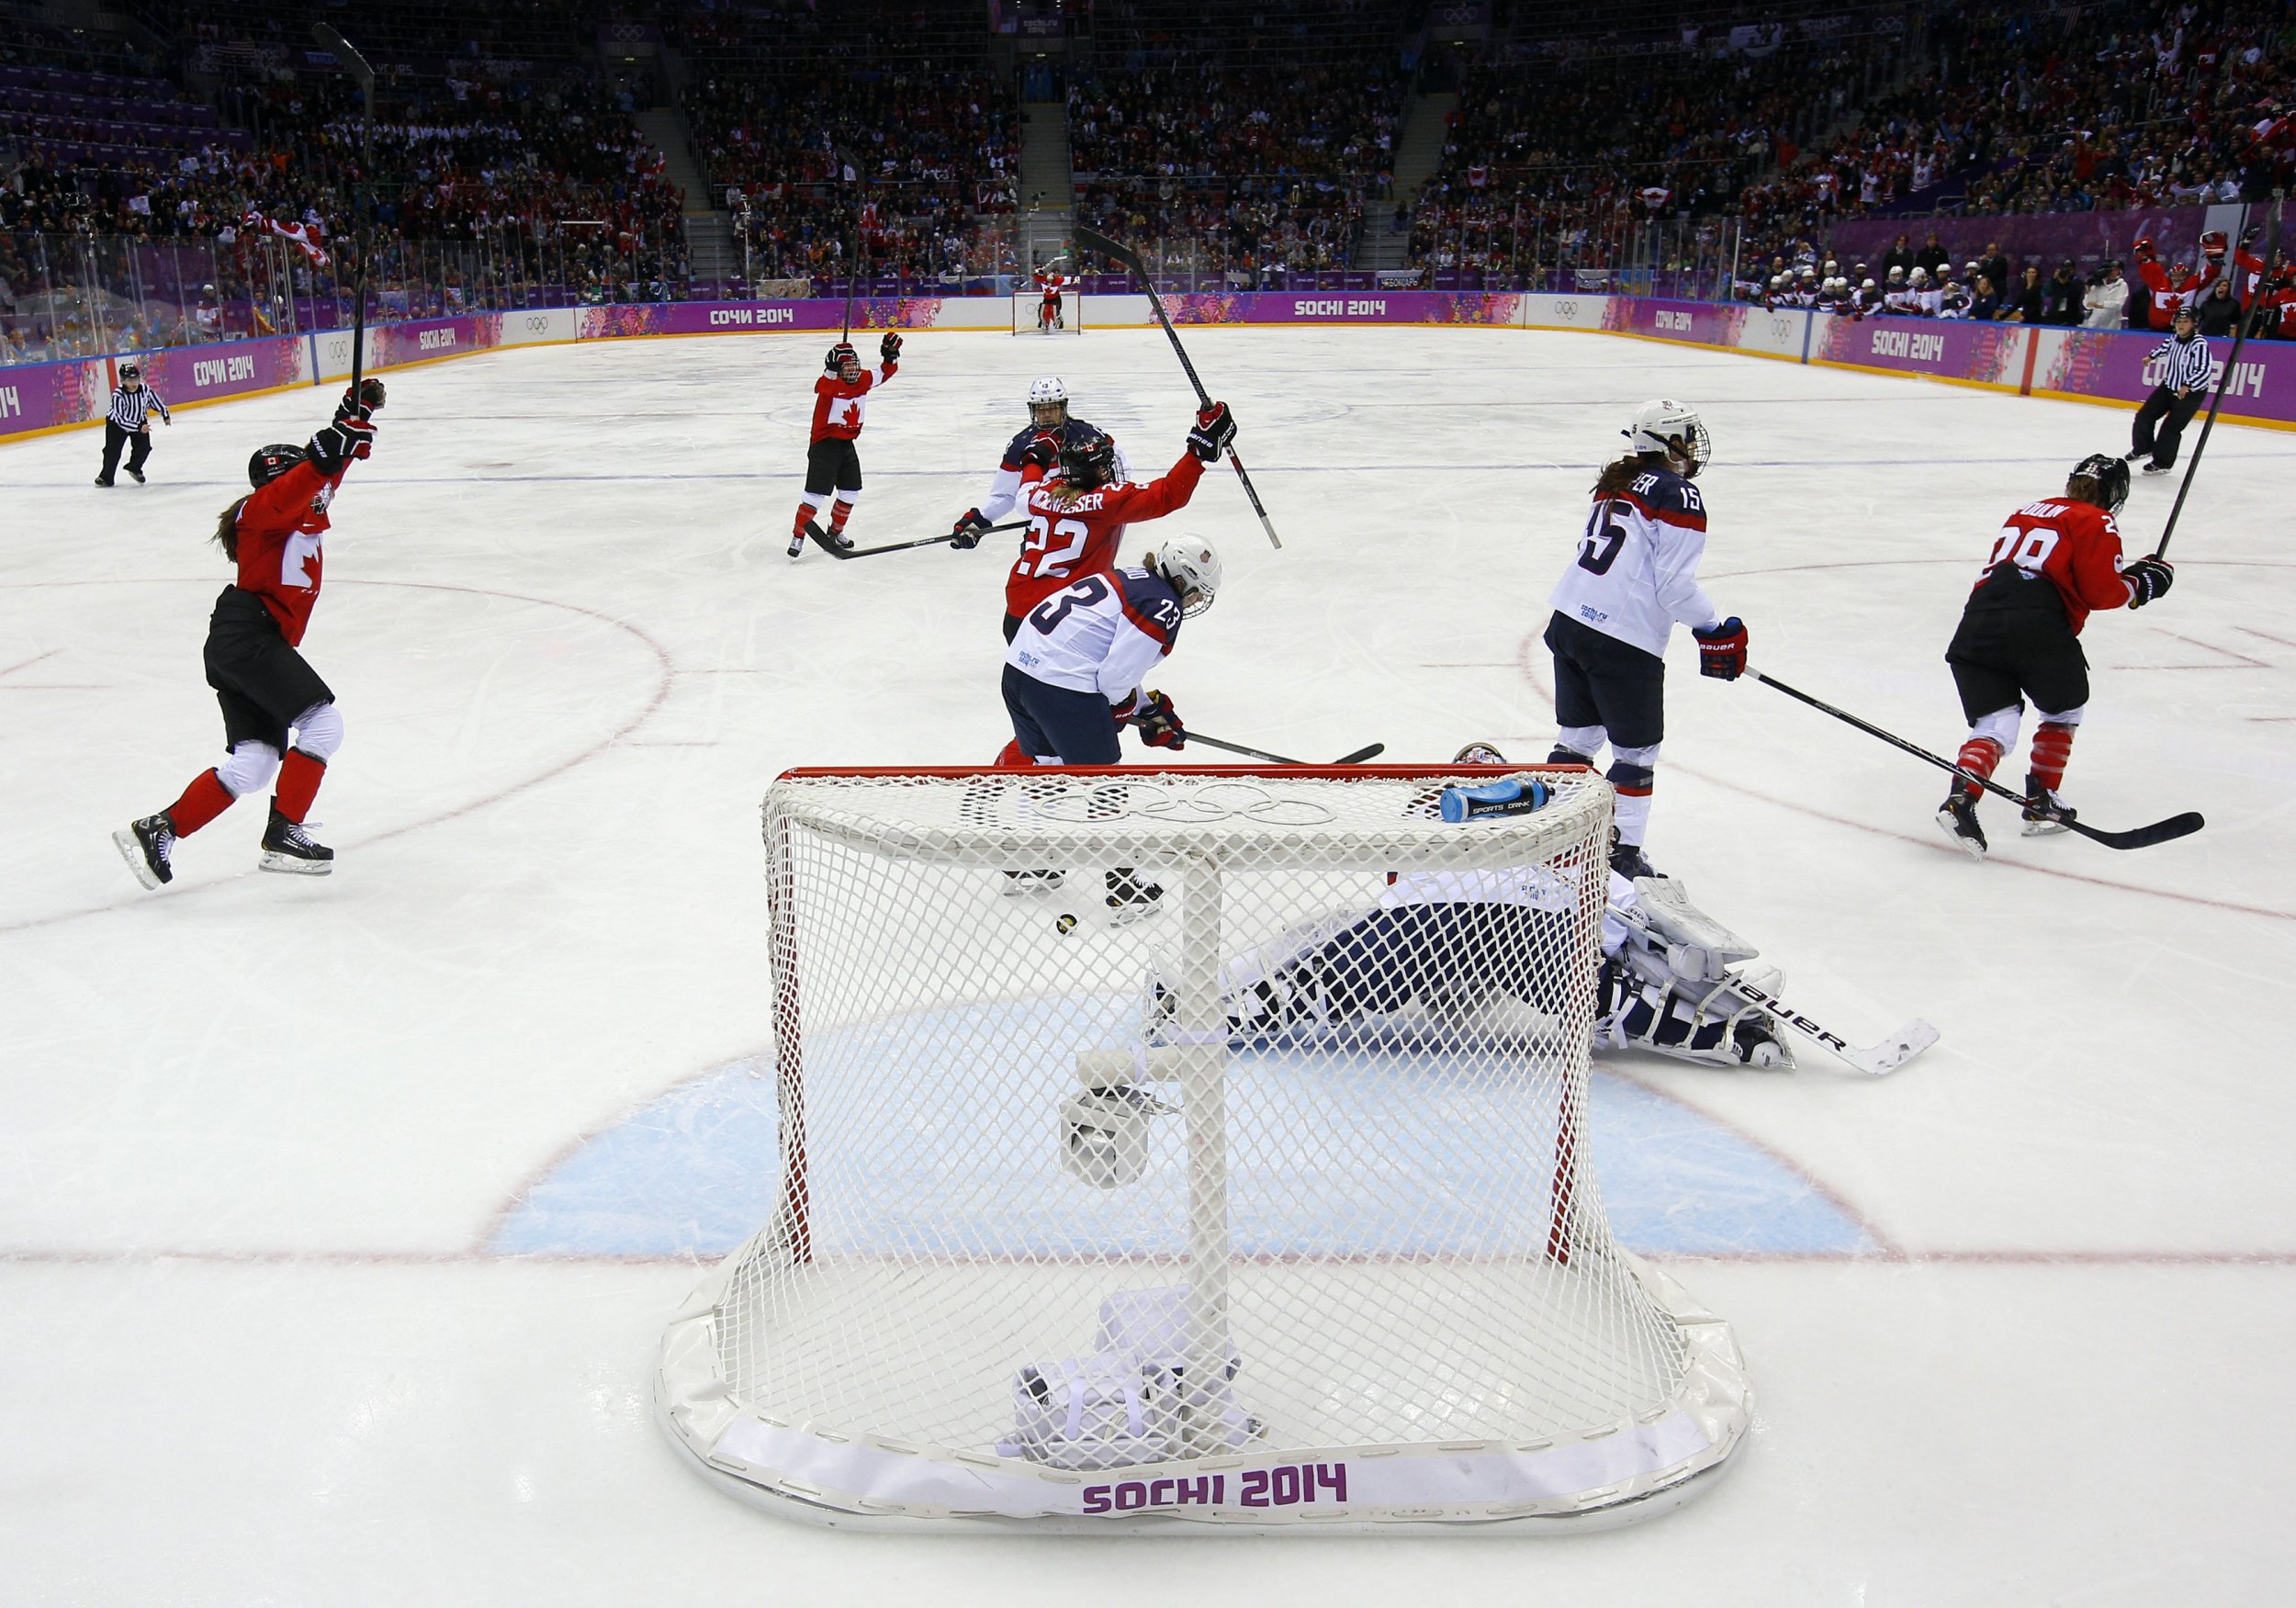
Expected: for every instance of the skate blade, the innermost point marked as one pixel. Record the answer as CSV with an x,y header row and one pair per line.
x,y
132,852
1968,845
273,861
1128,914
2043,828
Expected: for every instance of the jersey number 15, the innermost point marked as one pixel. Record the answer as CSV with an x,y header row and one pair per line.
x,y
1598,549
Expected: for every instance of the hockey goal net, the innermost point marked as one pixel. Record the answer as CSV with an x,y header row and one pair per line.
x,y
1264,1202
1027,307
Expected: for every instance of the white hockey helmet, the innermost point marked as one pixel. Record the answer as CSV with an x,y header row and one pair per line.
x,y
1673,428
1193,570
1867,286
1047,392
1479,754
1919,277
1897,275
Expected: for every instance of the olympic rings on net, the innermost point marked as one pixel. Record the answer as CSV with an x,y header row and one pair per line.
x,y
1199,806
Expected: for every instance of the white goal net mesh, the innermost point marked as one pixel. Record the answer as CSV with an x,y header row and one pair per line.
x,y
1285,1158
1028,317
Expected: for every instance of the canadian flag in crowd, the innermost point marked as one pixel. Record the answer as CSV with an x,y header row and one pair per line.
x,y
1655,196
1477,178
300,235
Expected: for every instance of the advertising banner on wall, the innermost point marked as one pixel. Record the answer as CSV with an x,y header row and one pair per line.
x,y
182,375
2118,364
1986,355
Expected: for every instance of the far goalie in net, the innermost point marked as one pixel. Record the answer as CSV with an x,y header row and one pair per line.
x,y
1052,305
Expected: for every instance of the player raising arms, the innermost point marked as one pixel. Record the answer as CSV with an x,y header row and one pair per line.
x,y
1028,458
1635,575
2020,637
1050,283
841,405
266,688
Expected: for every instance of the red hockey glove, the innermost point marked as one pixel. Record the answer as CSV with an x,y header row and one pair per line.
x,y
2149,579
1124,711
1215,429
370,398
332,449
1722,649
1159,724
889,349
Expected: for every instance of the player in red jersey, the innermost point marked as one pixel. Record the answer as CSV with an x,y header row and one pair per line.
x,y
840,404
265,686
1077,521
2020,637
2165,292
1050,283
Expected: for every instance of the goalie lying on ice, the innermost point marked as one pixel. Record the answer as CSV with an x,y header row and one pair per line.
x,y
1450,949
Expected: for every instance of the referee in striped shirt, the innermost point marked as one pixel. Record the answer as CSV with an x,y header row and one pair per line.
x,y
132,403
2176,398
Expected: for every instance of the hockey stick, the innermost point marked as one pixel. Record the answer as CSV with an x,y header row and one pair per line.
x,y
1879,1061
2216,398
330,39
821,539
2139,838
1091,240
1357,758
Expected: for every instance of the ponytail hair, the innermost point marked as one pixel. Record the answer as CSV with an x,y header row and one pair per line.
x,y
227,530
1616,477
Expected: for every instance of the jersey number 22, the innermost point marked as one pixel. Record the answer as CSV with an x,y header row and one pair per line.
x,y
1039,557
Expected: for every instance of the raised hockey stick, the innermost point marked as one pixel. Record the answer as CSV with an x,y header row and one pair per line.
x,y
2216,398
1091,240
331,41
821,539
1879,1061
2175,827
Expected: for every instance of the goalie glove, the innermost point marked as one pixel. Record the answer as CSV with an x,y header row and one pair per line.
x,y
965,535
1159,724
889,349
1722,649
1215,430
2148,578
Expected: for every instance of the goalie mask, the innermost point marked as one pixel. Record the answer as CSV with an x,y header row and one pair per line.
x,y
271,462
1193,570
1048,403
1674,430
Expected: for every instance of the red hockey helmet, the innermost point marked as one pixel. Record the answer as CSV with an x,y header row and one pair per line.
x,y
2143,247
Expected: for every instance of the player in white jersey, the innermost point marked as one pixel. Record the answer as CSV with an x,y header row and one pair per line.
x,y
1051,430
1635,575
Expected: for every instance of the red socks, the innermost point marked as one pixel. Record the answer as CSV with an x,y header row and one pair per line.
x,y
804,516
204,800
299,783
1979,756
839,512
2052,745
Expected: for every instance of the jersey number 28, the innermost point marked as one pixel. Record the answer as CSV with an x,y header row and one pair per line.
x,y
2027,549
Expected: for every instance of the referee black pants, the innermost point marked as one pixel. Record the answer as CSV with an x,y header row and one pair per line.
x,y
114,439
2164,411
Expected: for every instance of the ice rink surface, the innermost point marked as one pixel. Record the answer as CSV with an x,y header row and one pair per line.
x,y
339,1218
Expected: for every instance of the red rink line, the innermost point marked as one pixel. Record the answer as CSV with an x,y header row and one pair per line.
x,y
662,692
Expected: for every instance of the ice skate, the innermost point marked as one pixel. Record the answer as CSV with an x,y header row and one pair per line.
x,y
2043,822
1957,818
146,845
288,847
137,476
1019,883
798,546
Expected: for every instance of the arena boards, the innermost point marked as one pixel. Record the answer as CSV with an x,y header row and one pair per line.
x,y
2108,367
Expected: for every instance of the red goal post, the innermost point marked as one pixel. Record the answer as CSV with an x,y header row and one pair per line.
x,y
1027,302
1077,1211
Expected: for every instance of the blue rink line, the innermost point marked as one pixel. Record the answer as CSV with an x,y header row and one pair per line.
x,y
692,1173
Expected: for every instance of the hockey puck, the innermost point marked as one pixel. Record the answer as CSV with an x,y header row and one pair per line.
x,y
1066,923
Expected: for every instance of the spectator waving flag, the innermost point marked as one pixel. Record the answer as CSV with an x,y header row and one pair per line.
x,y
300,236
